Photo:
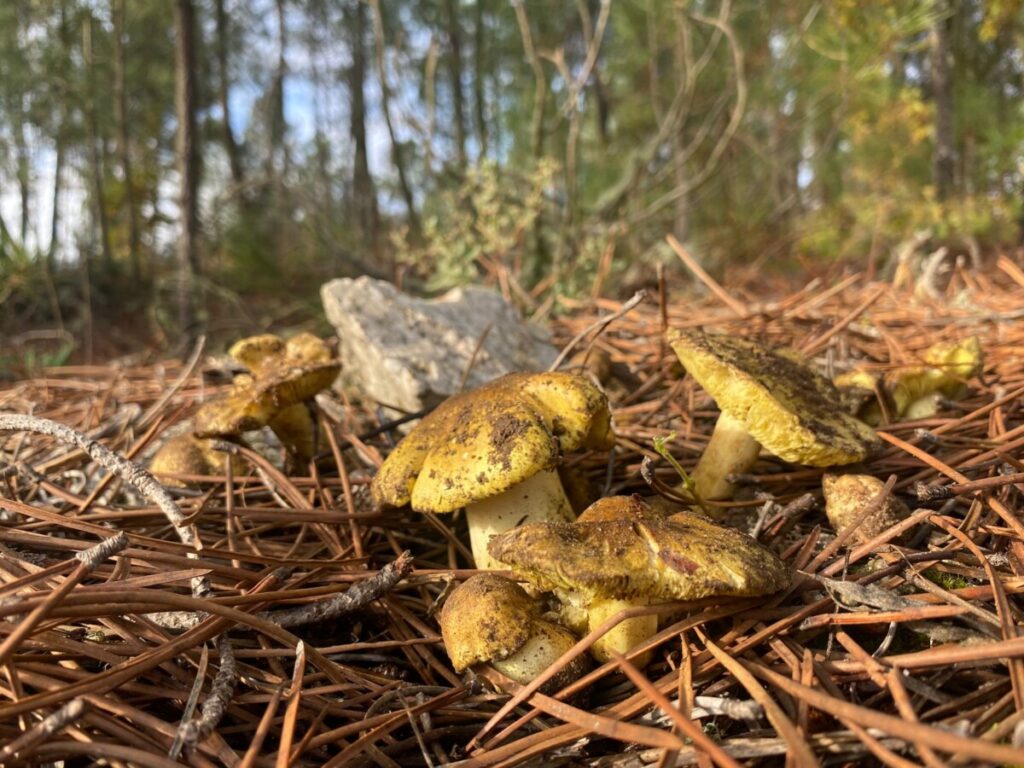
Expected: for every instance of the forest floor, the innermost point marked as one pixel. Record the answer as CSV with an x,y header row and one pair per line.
x,y
902,649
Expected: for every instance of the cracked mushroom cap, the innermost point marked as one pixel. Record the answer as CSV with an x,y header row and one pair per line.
x,y
682,557
283,374
482,443
847,496
790,409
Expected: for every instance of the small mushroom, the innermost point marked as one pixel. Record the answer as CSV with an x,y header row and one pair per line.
x,y
186,454
847,496
915,392
490,619
622,553
947,366
768,398
859,391
495,451
282,376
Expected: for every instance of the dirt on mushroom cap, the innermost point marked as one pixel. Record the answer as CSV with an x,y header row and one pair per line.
x,y
481,443
682,557
790,409
488,617
847,496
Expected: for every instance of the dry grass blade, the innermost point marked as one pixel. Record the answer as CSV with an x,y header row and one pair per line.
x,y
683,723
799,749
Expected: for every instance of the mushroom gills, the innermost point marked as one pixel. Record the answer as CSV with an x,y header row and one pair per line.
x,y
730,451
539,498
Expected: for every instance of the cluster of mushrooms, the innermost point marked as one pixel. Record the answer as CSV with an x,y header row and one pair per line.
x,y
496,452
272,389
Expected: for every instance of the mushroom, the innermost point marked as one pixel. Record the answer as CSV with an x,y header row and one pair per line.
x,y
768,398
491,619
847,496
947,365
186,454
283,375
622,553
915,392
495,450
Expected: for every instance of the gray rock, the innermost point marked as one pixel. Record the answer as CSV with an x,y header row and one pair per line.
x,y
411,353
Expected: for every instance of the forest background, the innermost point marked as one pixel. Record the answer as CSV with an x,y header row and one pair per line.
x,y
172,167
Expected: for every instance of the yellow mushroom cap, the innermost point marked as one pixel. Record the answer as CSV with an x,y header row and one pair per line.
x,y
253,350
295,372
481,443
683,557
186,454
847,496
617,508
962,359
488,617
790,409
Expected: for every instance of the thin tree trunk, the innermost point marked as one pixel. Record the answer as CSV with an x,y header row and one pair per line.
x,y
124,142
278,160
24,172
223,88
58,169
95,150
362,182
397,153
188,162
540,83
455,71
59,138
942,87
479,77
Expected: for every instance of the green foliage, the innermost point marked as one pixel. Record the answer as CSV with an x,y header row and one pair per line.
x,y
483,224
752,131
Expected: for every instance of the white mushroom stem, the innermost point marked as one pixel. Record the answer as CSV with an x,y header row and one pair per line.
x,y
545,646
538,499
625,635
730,451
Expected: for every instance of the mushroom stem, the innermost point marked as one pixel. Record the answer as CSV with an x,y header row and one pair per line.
x,y
537,499
731,450
546,644
626,635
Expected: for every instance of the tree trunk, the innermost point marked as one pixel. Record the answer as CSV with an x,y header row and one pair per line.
x,y
942,92
124,145
24,165
58,169
397,153
365,195
455,71
277,159
223,88
479,78
95,149
188,161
